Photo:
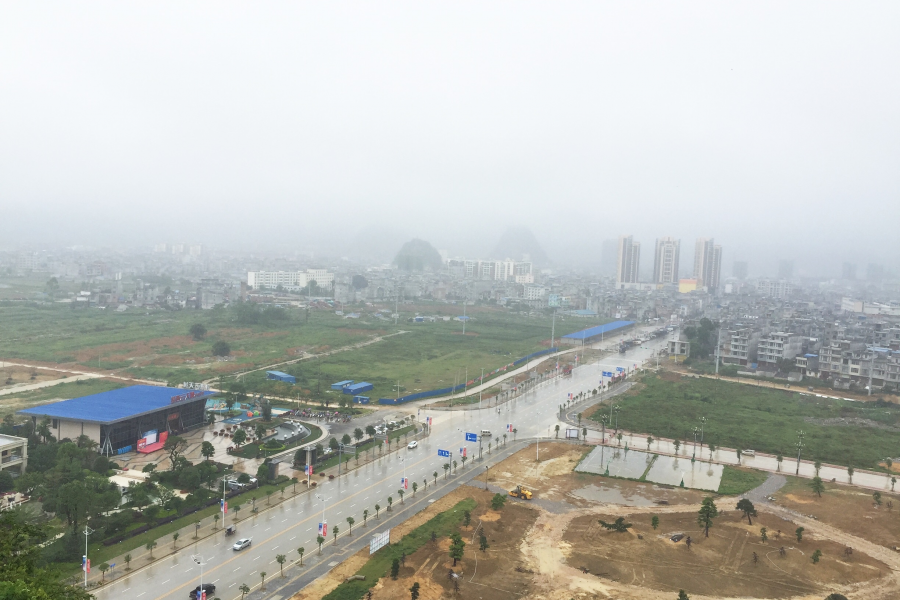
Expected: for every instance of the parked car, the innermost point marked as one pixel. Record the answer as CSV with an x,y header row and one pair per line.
x,y
413,444
748,452
209,588
241,544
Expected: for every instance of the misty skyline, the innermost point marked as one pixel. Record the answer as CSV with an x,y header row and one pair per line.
x,y
770,127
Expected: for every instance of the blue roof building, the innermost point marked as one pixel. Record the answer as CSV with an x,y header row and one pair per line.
x,y
595,334
340,385
117,419
281,376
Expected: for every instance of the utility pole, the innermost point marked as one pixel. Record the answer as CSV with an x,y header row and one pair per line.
x,y
800,435
553,328
198,560
871,368
464,314
718,346
396,303
481,388
87,565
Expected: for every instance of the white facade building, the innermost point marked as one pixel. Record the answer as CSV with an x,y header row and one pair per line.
x,y
289,280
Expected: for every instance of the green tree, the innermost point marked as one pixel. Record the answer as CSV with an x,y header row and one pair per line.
x,y
350,522
682,595
395,568
764,535
676,444
817,486
320,540
335,532
197,331
207,450
654,522
244,590
816,556
414,591
850,473
498,501
103,569
262,586
435,475
649,441
377,509
127,562
876,497
799,533
281,559
365,516
301,550
556,429
239,437
150,546
175,537
221,348
390,503
745,506
467,518
482,542
706,514
174,446
457,545
415,486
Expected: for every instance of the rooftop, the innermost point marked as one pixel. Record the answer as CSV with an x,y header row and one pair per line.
x,y
116,405
599,329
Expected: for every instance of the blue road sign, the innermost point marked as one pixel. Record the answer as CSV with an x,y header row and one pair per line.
x,y
607,373
620,369
471,437
444,453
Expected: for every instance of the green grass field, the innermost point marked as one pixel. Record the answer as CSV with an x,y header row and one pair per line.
x,y
155,344
744,416
736,480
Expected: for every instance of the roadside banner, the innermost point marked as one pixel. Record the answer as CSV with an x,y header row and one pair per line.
x,y
462,451
323,529
509,427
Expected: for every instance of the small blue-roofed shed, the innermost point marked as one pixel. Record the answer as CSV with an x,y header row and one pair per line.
x,y
281,376
358,388
340,385
361,399
595,334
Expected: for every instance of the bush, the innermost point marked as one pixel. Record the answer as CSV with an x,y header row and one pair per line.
x,y
221,348
6,481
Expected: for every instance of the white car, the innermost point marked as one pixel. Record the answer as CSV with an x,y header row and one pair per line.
x,y
748,452
412,444
241,544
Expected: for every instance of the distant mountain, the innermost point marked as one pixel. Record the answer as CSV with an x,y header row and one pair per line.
x,y
418,255
519,243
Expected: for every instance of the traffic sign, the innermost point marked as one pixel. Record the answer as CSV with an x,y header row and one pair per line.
x,y
444,453
471,437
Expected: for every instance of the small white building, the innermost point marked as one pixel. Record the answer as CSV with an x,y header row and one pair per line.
x,y
13,453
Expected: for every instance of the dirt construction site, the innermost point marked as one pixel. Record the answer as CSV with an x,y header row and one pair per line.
x,y
554,546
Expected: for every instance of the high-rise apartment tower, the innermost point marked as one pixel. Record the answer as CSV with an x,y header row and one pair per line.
x,y
665,260
628,260
707,263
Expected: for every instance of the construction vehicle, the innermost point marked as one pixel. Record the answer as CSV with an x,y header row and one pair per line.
x,y
520,492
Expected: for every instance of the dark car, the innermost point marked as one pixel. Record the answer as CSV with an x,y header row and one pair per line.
x,y
209,588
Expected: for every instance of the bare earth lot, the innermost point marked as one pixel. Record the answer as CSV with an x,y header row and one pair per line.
x,y
553,548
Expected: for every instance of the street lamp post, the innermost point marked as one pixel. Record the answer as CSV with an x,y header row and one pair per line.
x,y
198,560
702,423
696,431
800,435
87,532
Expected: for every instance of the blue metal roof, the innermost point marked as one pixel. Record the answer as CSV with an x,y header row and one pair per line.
x,y
594,331
280,373
117,405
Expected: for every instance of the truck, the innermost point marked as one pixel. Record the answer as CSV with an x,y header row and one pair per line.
x,y
521,492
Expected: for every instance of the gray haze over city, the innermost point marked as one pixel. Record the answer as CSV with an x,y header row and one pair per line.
x,y
349,129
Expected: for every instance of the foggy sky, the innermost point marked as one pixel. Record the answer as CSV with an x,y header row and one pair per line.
x,y
772,127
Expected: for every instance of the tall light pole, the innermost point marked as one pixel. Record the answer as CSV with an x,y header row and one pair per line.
x,y
322,498
480,388
702,423
198,560
800,435
694,455
87,532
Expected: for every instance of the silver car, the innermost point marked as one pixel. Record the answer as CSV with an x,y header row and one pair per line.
x,y
241,544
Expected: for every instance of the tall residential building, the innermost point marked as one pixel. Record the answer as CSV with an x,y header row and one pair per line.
x,y
665,260
628,260
785,269
707,263
739,269
848,271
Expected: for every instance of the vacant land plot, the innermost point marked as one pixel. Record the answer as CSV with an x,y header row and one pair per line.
x,y
742,416
719,566
847,508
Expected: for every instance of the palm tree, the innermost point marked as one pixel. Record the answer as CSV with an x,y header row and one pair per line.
x,y
649,442
280,559
377,508
435,477
320,540
263,585
127,562
350,522
504,443
676,444
446,469
850,473
556,429
103,569
216,518
335,532
712,448
400,493
244,590
175,537
390,503
415,486
300,551
738,452
454,462
150,546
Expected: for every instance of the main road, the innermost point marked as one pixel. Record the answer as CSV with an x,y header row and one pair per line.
x,y
294,523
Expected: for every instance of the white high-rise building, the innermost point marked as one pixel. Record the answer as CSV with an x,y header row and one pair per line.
x,y
289,279
707,263
665,261
628,260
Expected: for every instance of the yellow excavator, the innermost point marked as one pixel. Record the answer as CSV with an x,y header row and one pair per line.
x,y
521,492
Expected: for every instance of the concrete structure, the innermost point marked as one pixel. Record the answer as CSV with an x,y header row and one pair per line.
x,y
707,263
774,288
778,346
281,376
118,419
665,260
13,454
742,346
289,280
628,260
595,334
679,349
686,286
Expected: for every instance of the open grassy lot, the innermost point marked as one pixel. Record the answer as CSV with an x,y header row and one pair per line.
x,y
742,416
155,344
429,356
